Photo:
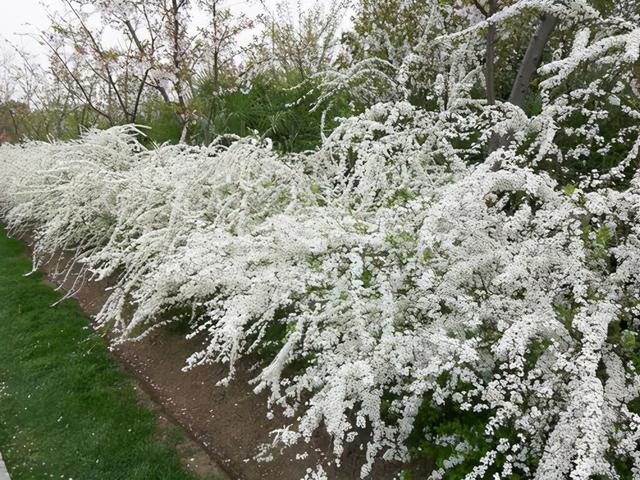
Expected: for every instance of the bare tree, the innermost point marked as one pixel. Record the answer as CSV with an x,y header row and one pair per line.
x,y
154,49
7,85
296,40
38,105
105,77
221,35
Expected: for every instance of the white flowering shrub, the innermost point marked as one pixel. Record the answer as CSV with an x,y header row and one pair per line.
x,y
393,287
65,193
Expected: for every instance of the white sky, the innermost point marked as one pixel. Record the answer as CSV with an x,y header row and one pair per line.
x,y
16,13
15,17
20,17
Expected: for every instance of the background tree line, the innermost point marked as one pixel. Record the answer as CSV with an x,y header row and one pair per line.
x,y
192,70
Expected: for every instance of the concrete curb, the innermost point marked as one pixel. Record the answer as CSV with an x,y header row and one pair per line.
x,y
4,475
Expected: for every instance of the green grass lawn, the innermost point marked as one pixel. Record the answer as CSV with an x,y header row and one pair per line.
x,y
66,410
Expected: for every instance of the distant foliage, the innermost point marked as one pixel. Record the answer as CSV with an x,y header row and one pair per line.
x,y
478,307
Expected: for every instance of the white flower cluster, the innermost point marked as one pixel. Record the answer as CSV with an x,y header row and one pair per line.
x,y
386,272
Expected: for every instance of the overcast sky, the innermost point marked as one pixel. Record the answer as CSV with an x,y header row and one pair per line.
x,y
23,16
16,16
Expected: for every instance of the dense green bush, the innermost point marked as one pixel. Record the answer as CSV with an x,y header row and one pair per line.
x,y
273,108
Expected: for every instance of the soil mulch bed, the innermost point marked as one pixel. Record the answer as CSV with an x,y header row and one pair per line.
x,y
228,423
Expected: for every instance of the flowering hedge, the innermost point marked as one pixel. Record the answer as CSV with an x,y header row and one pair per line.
x,y
393,272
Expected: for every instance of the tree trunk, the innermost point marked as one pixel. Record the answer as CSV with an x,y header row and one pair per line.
x,y
185,131
490,70
531,60
526,72
490,75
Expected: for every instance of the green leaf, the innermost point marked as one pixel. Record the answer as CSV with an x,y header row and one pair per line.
x,y
603,236
569,189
